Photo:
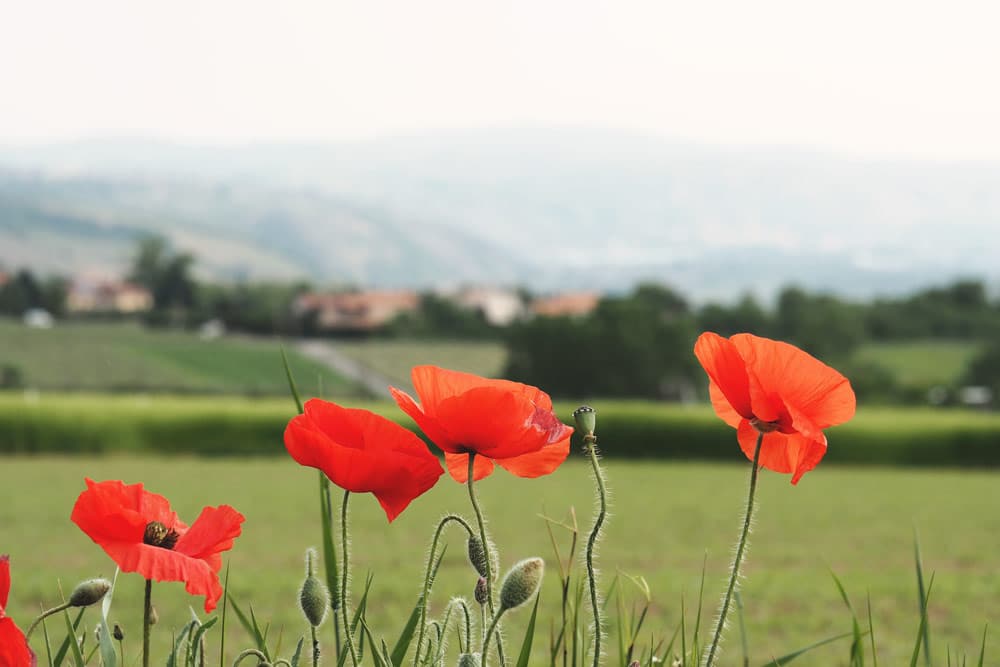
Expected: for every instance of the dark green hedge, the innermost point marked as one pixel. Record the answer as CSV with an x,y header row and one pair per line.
x,y
209,426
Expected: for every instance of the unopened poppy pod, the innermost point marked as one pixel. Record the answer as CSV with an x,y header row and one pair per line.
x,y
763,386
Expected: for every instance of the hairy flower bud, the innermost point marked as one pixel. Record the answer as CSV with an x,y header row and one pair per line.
x,y
88,592
469,660
477,555
586,420
481,593
521,582
313,598
117,632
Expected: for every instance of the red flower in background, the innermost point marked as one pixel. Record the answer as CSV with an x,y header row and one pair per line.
x,y
505,422
14,650
759,385
360,452
142,534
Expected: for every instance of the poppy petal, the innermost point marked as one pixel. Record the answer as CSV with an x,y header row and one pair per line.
x,y
727,369
113,510
491,421
722,407
428,424
458,467
161,564
347,467
784,453
4,581
14,649
536,464
434,384
212,532
802,381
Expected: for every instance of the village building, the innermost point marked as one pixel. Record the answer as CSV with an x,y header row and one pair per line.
x,y
355,312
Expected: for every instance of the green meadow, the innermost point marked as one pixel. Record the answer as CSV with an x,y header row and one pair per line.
x,y
667,519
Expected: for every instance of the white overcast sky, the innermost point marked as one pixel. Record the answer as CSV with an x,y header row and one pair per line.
x,y
870,77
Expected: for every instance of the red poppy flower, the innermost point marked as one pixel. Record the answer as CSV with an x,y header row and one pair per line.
x,y
142,534
759,385
360,451
14,650
505,422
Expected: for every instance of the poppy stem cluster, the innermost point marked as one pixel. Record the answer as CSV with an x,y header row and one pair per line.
x,y
345,568
741,547
431,557
586,419
487,545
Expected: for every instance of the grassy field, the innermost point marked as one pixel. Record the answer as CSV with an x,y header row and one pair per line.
x,y
395,358
921,363
88,356
666,518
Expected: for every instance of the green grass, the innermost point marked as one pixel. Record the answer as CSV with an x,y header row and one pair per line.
x,y
665,518
923,363
115,357
395,358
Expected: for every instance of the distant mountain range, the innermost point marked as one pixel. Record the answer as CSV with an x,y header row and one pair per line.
x,y
549,209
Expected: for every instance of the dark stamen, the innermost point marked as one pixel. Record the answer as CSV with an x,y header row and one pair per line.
x,y
158,535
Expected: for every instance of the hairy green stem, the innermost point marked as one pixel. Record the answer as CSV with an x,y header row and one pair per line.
x,y
147,625
315,646
345,566
734,575
422,625
250,652
489,557
489,633
602,512
45,614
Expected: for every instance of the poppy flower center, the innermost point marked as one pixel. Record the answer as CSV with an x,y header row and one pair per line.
x,y
765,427
158,535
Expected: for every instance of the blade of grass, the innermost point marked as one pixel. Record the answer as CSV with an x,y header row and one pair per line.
x,y
857,646
871,631
670,646
298,653
291,381
225,603
923,598
922,630
402,644
109,658
178,642
684,653
529,637
71,637
787,658
743,629
982,649
701,597
202,629
48,647
251,627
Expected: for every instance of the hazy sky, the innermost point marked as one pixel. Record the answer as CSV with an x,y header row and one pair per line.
x,y
893,77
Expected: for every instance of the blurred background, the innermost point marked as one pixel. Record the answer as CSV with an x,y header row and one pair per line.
x,y
561,193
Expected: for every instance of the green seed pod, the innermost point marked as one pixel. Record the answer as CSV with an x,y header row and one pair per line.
x,y
477,555
521,582
154,616
586,420
469,660
481,593
88,592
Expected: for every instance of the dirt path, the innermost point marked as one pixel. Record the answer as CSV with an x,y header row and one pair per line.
x,y
326,353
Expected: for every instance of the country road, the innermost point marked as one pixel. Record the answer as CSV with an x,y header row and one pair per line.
x,y
326,353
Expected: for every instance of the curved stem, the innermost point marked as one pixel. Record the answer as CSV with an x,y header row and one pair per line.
x,y
427,578
592,541
489,557
250,652
147,615
343,581
734,575
468,626
43,616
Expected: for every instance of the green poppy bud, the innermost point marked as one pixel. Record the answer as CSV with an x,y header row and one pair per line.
x,y
313,598
477,555
586,420
521,582
481,593
88,592
469,660
118,633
